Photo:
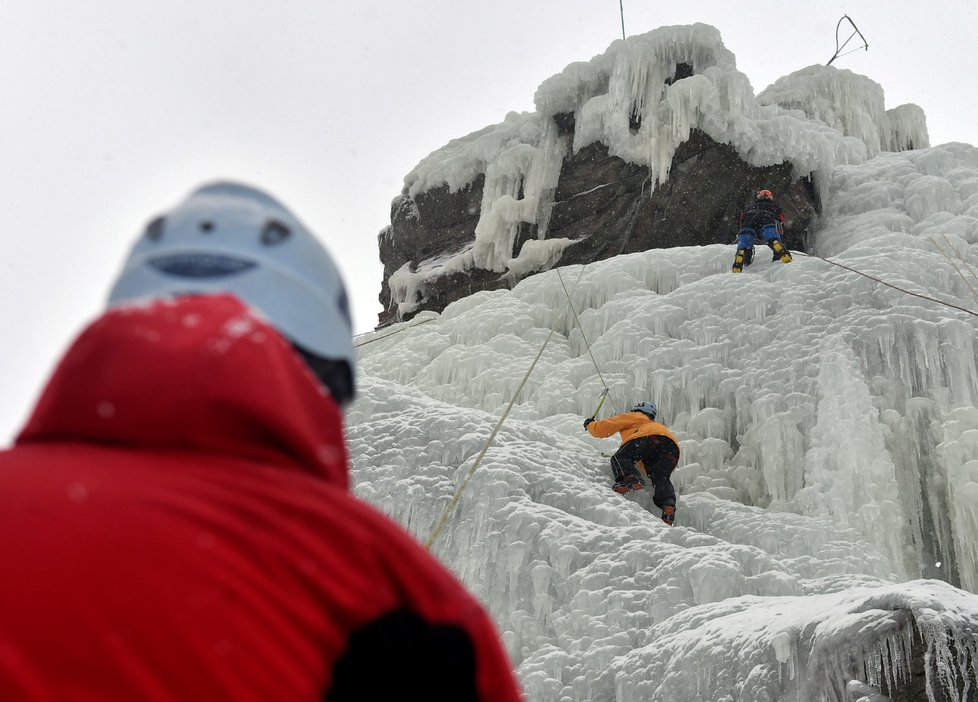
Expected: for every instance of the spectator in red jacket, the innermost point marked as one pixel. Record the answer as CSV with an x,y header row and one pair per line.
x,y
175,520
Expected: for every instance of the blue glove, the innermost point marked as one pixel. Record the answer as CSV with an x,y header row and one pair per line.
x,y
588,421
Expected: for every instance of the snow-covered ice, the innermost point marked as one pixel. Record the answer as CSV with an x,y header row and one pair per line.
x,y
828,481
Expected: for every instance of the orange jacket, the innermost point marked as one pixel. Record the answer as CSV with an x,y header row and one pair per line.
x,y
631,425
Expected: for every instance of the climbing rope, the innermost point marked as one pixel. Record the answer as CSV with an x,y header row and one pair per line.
x,y
393,333
621,7
577,320
461,488
954,265
889,285
854,33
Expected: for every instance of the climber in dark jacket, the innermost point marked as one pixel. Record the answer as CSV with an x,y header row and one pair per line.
x,y
764,218
176,521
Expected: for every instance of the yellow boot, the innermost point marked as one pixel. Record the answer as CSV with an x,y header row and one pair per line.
x,y
738,264
780,251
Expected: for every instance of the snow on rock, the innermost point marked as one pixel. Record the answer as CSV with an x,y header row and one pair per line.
x,y
931,194
458,163
639,63
854,482
633,82
959,471
829,475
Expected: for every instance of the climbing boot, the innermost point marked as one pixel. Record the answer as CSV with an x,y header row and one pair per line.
x,y
741,259
627,484
669,514
780,252
628,479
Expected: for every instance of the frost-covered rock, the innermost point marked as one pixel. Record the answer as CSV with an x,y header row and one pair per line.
x,y
657,142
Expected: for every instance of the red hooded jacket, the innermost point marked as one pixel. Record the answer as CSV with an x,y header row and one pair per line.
x,y
175,525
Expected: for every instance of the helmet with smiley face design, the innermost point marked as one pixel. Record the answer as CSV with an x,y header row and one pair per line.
x,y
232,238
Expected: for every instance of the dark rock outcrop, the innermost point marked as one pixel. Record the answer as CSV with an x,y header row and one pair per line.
x,y
604,205
699,204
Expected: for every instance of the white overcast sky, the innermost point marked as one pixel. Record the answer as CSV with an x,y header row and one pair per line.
x,y
113,110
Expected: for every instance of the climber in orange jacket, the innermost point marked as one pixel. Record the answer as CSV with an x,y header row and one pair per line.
x,y
646,440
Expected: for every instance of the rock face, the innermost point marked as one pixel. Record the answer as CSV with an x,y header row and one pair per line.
x,y
708,187
604,206
422,228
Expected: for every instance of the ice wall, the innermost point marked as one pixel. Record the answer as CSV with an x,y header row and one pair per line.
x,y
828,426
666,325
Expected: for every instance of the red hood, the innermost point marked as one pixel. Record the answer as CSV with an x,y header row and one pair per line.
x,y
202,374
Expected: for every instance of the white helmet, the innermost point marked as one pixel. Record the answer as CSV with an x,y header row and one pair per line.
x,y
228,237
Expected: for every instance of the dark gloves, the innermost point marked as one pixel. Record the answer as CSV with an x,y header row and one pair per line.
x,y
588,421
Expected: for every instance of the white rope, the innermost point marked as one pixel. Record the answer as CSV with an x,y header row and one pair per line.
x,y
393,333
458,493
955,265
461,488
577,320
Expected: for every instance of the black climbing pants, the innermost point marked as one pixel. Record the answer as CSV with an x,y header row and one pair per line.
x,y
659,455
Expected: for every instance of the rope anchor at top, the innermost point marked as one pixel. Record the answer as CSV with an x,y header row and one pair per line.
x,y
854,33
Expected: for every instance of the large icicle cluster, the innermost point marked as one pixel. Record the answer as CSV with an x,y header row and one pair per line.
x,y
632,83
851,103
521,160
829,474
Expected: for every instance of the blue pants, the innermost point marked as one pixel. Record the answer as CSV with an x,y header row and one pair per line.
x,y
745,239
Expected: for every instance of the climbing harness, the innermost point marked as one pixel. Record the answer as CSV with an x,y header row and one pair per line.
x,y
854,33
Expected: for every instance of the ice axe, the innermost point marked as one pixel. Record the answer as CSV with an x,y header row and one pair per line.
x,y
604,396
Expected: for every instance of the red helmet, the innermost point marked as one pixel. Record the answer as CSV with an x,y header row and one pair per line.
x,y
765,195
